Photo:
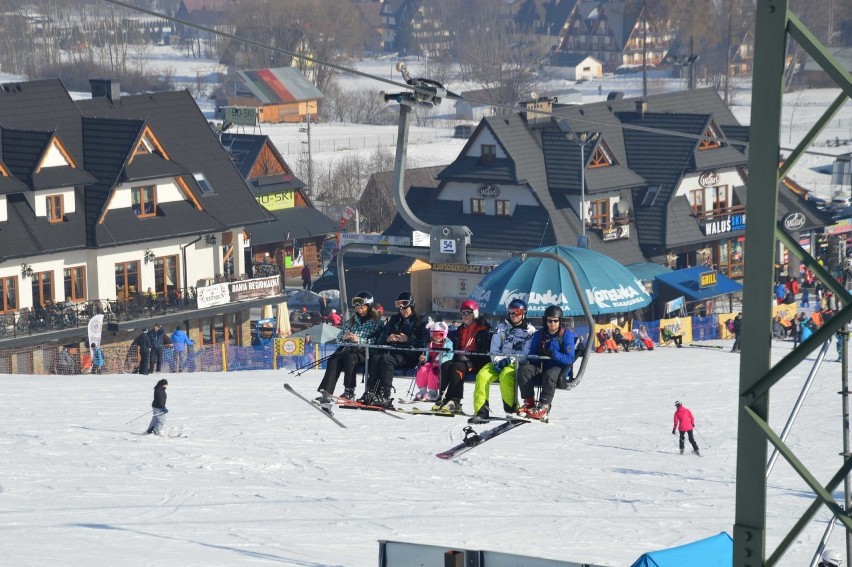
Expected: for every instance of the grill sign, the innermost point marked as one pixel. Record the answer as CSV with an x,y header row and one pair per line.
x,y
488,191
707,279
709,179
794,221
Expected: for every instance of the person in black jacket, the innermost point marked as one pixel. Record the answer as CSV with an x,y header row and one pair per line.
x,y
144,343
158,420
406,330
156,336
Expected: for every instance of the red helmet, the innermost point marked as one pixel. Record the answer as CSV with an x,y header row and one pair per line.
x,y
471,305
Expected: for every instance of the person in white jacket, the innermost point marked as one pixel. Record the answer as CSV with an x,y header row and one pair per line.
x,y
510,342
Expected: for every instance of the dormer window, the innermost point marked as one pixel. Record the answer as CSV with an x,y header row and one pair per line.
x,y
144,201
602,157
711,139
489,153
55,210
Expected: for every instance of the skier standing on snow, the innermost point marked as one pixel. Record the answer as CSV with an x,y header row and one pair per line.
x,y
158,420
684,422
511,339
556,341
472,336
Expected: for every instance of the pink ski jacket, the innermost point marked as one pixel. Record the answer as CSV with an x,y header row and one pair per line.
x,y
683,420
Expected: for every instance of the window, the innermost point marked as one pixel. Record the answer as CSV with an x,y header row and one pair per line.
x,y
126,279
503,208
696,199
144,201
711,139
489,153
601,157
477,206
75,283
54,208
166,274
651,195
720,199
8,294
600,213
203,184
42,286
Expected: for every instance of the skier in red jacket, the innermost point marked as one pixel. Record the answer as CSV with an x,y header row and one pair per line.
x,y
684,422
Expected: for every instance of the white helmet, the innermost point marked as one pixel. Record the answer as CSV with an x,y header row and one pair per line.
x,y
832,557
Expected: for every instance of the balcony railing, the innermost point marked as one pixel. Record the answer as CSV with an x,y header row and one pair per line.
x,y
718,213
59,316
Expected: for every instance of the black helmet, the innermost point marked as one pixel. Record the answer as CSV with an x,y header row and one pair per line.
x,y
552,311
404,299
362,298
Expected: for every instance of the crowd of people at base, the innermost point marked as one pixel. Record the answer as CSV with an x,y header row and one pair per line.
x,y
151,344
611,340
443,357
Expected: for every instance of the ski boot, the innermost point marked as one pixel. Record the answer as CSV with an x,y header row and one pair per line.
x,y
323,400
529,403
367,398
348,394
453,406
539,412
482,416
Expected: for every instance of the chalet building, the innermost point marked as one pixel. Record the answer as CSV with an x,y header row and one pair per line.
x,y
543,17
665,182
574,67
397,25
614,32
115,203
295,230
280,95
371,13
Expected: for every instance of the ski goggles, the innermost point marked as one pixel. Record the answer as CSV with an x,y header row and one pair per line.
x,y
516,312
467,311
358,301
402,304
553,320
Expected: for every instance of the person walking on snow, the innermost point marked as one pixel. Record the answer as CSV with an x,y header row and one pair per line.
x,y
684,422
158,420
428,377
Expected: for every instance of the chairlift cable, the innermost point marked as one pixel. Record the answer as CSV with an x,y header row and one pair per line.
x,y
414,85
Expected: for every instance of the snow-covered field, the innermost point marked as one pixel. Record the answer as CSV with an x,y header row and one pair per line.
x,y
260,478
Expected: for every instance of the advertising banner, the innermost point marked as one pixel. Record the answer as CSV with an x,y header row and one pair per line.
x,y
255,289
212,295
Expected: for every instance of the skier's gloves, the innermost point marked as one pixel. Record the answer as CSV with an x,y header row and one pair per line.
x,y
673,432
501,364
165,410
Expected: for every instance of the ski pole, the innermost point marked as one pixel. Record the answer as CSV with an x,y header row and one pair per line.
x,y
140,417
702,437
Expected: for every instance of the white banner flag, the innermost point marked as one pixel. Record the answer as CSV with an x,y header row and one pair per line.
x,y
96,324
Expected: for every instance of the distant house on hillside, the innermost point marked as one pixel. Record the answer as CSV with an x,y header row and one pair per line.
x,y
282,94
575,67
371,13
476,105
813,76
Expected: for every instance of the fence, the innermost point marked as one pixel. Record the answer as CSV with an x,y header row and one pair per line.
x,y
43,359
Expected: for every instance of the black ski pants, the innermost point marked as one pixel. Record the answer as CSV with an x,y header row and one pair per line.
x,y
531,375
345,360
156,359
383,365
452,379
144,360
691,440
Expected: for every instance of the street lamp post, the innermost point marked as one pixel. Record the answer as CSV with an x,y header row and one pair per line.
x,y
581,139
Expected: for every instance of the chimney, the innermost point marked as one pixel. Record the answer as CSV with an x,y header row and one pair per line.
x,y
543,103
106,88
641,107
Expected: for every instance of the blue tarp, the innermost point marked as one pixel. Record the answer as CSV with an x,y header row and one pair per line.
x,y
715,551
686,281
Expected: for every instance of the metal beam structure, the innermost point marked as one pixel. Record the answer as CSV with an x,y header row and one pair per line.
x,y
775,25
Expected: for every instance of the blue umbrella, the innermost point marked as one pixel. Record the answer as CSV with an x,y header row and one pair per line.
x,y
608,286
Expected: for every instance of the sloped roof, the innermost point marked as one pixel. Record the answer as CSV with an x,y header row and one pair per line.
x,y
292,224
279,85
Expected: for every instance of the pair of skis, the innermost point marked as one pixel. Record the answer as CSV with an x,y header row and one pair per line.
x,y
471,439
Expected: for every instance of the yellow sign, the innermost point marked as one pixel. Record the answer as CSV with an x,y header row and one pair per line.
x,y
290,347
276,201
708,279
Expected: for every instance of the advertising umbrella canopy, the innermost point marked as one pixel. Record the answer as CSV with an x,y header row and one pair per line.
x,y
608,286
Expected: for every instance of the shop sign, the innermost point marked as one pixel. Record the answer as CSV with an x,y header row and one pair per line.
x,y
616,233
839,227
709,179
794,221
276,201
461,268
707,279
733,223
488,191
255,288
